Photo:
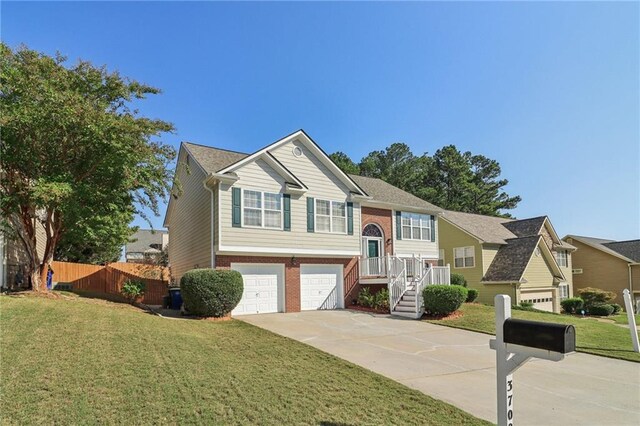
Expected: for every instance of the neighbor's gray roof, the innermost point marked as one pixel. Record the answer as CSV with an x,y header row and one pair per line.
x,y
526,227
488,229
143,239
384,192
512,259
212,159
628,250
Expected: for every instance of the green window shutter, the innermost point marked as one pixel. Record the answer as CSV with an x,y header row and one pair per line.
x,y
433,228
235,206
310,219
350,218
398,225
286,204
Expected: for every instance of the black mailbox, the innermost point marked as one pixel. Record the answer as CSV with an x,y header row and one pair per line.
x,y
542,335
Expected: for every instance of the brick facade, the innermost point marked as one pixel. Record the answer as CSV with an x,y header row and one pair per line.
x,y
292,273
383,218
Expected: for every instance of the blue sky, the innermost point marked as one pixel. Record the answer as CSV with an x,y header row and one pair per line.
x,y
550,90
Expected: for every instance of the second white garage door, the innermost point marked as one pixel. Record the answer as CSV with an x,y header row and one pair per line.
x,y
263,288
321,287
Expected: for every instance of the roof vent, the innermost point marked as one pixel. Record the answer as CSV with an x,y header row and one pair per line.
x,y
297,151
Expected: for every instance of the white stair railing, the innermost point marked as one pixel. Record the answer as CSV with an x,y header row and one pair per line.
x,y
425,280
397,284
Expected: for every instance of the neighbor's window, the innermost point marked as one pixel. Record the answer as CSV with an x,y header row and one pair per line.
x,y
262,209
331,216
441,257
464,257
561,258
563,290
416,226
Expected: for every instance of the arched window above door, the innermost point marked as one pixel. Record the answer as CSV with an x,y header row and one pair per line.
x,y
372,230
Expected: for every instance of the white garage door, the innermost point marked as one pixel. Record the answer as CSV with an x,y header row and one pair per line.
x,y
263,288
320,287
542,300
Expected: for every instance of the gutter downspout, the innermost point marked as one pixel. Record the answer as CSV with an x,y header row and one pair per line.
x,y
213,253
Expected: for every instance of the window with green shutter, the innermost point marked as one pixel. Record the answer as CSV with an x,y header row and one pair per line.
x,y
236,207
310,214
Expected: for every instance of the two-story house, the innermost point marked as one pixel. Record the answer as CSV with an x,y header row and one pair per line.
x,y
607,264
522,258
303,234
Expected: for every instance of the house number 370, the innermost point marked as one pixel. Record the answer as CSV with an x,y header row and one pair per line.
x,y
510,400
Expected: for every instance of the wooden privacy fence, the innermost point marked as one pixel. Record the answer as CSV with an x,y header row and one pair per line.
x,y
105,280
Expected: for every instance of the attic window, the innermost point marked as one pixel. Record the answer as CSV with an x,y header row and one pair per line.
x,y
297,151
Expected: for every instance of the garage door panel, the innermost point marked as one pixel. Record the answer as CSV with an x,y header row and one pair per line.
x,y
542,300
320,287
263,287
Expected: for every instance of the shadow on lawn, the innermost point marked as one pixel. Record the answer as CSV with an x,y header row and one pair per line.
x,y
605,350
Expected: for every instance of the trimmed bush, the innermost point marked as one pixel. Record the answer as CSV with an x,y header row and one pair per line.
x,y
595,296
472,294
443,299
458,279
572,305
210,292
602,310
616,308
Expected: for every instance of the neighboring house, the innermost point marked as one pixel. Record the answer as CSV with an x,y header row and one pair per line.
x,y
14,258
607,264
146,245
522,258
304,234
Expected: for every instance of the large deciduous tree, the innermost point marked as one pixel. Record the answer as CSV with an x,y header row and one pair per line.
x,y
75,158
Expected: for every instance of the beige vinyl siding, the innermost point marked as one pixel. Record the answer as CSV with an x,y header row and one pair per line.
x,y
322,184
452,237
406,247
538,273
488,292
190,223
489,252
600,270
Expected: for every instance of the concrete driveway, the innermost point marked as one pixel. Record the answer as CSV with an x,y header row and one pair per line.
x,y
458,367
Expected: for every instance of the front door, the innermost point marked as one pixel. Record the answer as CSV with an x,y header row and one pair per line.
x,y
374,262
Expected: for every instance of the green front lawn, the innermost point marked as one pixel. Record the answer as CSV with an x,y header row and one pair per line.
x,y
82,361
621,318
592,336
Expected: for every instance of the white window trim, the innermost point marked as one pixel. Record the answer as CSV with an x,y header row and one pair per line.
x,y
566,258
330,216
262,209
464,266
566,286
412,226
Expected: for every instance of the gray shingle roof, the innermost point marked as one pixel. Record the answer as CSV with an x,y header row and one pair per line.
x,y
629,249
212,159
384,192
488,229
525,227
145,241
512,259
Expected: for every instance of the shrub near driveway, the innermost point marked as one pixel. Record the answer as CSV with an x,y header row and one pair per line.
x,y
443,299
210,292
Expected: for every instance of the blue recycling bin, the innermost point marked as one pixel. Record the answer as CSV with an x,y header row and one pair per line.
x,y
49,279
176,298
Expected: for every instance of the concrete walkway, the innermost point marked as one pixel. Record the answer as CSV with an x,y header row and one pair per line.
x,y
458,367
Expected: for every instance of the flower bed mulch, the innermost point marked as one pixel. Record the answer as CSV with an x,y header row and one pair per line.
x,y
454,315
367,309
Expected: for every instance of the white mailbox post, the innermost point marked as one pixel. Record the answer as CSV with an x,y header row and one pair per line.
x,y
516,341
633,328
